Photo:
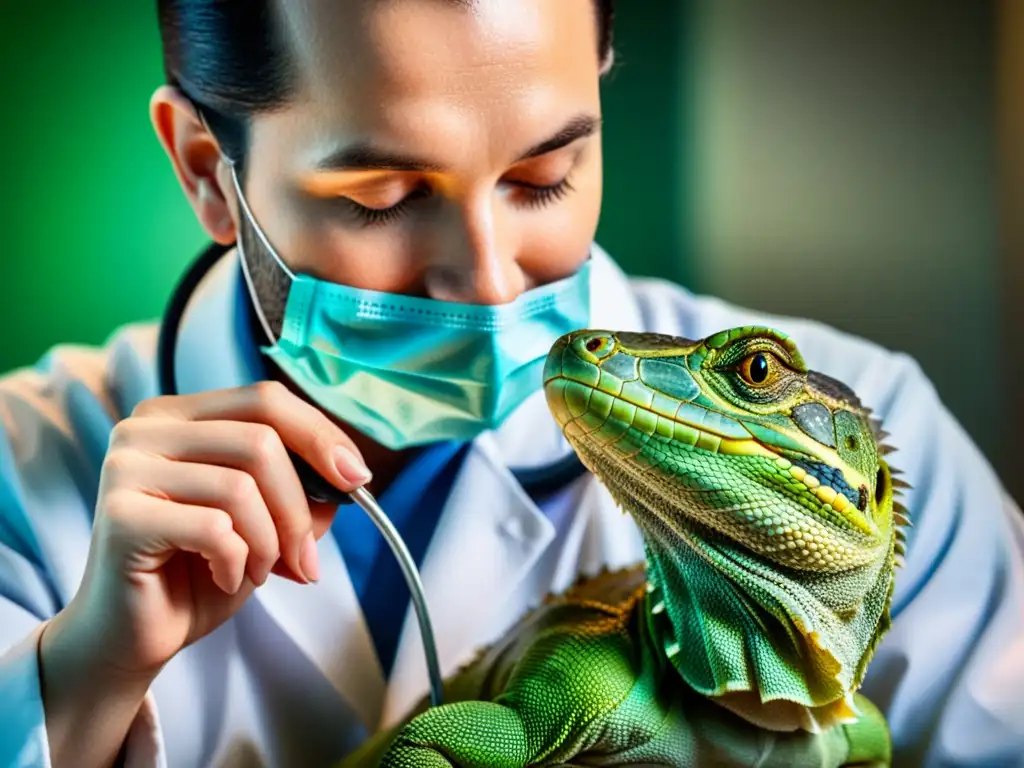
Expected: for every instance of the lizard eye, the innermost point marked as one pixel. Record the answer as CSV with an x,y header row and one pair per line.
x,y
758,369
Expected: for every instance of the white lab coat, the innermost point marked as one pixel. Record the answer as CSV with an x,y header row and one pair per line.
x,y
292,679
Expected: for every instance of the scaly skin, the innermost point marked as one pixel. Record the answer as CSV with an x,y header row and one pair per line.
x,y
772,541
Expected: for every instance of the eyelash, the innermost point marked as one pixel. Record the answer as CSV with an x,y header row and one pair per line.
x,y
375,216
541,196
538,198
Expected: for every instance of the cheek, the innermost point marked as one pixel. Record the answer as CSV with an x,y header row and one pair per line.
x,y
313,238
377,259
380,259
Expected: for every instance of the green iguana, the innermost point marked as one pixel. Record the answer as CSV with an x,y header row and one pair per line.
x,y
772,540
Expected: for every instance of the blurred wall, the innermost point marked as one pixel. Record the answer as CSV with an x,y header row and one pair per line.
x,y
95,227
844,169
647,103
1011,167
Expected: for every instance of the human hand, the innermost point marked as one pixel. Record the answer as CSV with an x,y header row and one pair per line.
x,y
198,503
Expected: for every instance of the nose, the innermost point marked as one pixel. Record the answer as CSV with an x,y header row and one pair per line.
x,y
475,261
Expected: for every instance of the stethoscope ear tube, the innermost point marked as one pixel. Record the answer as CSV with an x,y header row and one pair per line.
x,y
369,505
168,337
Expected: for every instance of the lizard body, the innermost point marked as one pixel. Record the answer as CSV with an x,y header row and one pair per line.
x,y
772,537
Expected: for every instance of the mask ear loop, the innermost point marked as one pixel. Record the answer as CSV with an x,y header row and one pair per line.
x,y
362,497
247,212
245,261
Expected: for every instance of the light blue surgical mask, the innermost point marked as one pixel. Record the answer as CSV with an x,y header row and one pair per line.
x,y
406,370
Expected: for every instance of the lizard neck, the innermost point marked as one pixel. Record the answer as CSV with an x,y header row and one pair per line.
x,y
783,650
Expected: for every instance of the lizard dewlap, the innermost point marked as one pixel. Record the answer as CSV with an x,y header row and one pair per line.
x,y
766,507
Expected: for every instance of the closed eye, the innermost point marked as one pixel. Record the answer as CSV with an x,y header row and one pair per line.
x,y
537,196
369,216
530,196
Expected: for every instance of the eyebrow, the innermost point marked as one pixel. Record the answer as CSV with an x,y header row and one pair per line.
x,y
364,156
577,128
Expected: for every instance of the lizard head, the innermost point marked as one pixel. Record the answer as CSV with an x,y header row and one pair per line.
x,y
762,492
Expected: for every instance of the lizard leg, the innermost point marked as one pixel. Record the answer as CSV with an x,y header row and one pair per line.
x,y
560,690
474,734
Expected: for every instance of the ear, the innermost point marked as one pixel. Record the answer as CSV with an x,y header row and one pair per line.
x,y
608,62
195,157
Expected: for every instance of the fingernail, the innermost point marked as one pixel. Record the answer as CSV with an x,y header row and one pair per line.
x,y
309,560
350,467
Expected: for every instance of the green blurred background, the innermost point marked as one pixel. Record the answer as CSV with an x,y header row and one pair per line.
x,y
836,161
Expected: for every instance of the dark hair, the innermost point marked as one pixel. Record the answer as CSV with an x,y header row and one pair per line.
x,y
229,58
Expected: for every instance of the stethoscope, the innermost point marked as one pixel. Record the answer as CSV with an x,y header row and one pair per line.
x,y
537,482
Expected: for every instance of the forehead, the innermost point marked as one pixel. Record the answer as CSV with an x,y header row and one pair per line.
x,y
408,66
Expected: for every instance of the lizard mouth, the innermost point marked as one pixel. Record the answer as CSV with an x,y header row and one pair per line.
x,y
577,421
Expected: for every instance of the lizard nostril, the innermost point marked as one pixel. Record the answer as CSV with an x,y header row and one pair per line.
x,y
594,344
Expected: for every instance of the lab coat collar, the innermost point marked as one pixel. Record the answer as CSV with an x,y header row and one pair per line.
x,y
489,535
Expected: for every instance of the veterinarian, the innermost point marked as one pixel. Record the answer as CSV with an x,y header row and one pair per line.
x,y
169,595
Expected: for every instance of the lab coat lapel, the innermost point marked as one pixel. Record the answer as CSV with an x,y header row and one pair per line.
x,y
324,620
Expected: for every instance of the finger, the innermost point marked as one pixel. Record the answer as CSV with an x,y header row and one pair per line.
x,y
303,428
253,448
323,515
281,569
160,527
207,485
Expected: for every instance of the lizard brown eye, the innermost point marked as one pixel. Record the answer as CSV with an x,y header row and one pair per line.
x,y
756,369
594,344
